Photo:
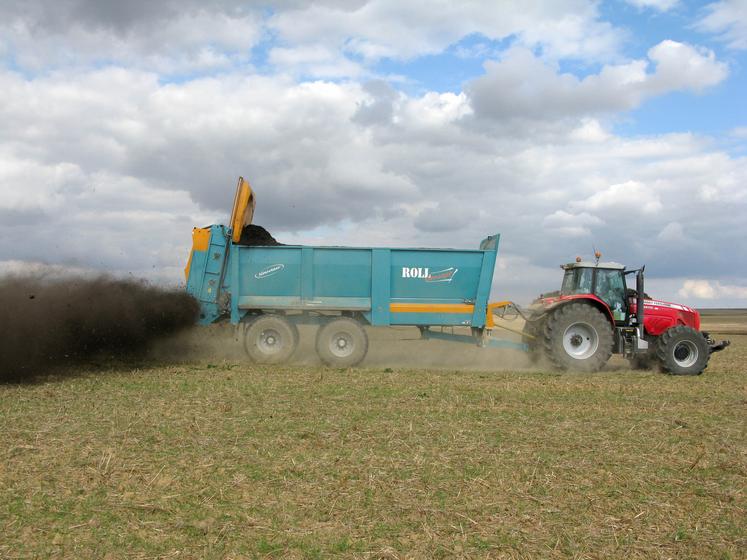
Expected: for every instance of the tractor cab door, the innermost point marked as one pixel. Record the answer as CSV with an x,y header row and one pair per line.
x,y
577,280
610,288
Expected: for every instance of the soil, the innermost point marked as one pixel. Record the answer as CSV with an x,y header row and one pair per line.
x,y
255,235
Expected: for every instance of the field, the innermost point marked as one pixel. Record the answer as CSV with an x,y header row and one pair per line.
x,y
724,321
408,457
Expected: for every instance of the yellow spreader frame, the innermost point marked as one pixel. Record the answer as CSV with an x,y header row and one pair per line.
x,y
243,208
241,215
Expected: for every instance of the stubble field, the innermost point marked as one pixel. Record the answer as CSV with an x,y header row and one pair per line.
x,y
217,458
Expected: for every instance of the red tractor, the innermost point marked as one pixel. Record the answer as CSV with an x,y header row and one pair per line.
x,y
595,315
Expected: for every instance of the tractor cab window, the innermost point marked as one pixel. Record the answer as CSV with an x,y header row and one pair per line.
x,y
610,288
577,281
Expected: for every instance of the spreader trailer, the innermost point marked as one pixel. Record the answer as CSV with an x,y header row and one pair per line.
x,y
269,290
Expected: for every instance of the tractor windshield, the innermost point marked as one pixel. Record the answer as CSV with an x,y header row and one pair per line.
x,y
610,288
576,281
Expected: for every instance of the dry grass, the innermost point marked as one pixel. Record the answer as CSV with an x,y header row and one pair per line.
x,y
724,321
239,461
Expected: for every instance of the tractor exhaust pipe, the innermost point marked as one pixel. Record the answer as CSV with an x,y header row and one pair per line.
x,y
639,298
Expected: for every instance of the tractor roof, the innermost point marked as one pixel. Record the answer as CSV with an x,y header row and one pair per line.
x,y
589,264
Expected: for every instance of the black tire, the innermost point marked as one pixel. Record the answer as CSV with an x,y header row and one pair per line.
x,y
577,336
270,339
682,350
342,343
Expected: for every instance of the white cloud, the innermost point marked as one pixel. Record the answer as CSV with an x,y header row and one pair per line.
x,y
149,161
710,290
190,40
315,60
434,110
590,130
672,232
658,5
134,152
320,39
389,28
629,196
684,67
450,215
566,224
531,88
728,20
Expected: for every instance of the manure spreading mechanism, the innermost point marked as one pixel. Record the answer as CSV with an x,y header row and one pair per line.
x,y
238,272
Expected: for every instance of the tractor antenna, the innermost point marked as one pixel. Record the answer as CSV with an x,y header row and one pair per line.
x,y
597,255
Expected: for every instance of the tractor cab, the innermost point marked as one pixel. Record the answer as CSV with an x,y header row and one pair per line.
x,y
606,281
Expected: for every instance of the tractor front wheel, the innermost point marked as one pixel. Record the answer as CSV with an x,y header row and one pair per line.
x,y
682,350
578,336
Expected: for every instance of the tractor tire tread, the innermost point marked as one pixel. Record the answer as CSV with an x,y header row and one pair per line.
x,y
555,326
664,351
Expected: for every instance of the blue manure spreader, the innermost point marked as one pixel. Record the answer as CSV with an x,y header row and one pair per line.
x,y
270,289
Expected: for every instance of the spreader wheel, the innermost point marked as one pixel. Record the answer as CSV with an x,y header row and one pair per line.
x,y
270,339
342,343
682,350
578,337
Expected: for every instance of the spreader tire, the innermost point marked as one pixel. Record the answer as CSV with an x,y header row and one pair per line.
x,y
270,339
578,336
342,343
682,350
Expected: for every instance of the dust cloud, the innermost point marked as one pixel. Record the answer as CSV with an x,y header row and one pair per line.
x,y
50,322
403,347
389,347
47,322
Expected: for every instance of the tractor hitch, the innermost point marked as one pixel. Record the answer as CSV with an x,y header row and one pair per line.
x,y
714,346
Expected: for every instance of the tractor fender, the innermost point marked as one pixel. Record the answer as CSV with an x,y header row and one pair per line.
x,y
594,301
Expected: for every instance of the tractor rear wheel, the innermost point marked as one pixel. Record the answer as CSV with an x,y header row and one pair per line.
x,y
578,336
270,339
682,350
342,343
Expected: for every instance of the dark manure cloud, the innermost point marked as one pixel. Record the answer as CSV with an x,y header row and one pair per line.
x,y
50,322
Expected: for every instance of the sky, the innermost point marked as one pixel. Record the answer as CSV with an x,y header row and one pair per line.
x,y
564,125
